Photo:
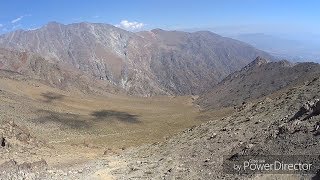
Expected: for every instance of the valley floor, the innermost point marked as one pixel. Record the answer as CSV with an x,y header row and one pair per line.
x,y
47,133
77,127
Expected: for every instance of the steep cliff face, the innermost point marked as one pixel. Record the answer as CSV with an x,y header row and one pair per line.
x,y
143,63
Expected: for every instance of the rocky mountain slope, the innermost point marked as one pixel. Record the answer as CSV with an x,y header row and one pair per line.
x,y
25,65
256,80
143,63
284,123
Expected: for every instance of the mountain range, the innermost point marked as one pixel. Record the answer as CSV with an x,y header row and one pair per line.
x,y
146,63
66,114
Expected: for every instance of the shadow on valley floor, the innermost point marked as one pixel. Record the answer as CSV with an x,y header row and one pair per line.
x,y
78,122
120,116
49,97
63,120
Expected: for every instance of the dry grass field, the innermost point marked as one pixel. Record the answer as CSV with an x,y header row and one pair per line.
x,y
80,126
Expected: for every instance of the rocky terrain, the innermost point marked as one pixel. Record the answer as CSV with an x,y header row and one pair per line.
x,y
284,122
280,124
64,114
53,133
144,63
26,66
258,79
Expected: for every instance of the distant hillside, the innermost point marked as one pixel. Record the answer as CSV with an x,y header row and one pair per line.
x,y
258,79
24,65
143,63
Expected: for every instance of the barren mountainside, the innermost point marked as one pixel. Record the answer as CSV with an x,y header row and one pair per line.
x,y
144,63
256,80
281,124
26,66
159,90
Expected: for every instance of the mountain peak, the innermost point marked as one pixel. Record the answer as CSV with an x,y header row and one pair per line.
x,y
159,61
258,61
53,24
157,30
286,63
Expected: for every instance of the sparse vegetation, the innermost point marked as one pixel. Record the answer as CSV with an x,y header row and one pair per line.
x,y
95,101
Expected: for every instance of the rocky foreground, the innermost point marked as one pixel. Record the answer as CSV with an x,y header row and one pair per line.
x,y
282,124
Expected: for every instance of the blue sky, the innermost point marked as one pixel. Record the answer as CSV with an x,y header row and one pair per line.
x,y
244,16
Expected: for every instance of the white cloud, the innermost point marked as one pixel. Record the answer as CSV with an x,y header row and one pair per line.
x,y
1,25
125,24
17,19
32,29
20,18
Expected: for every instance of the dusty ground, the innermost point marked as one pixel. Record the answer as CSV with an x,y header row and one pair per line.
x,y
96,137
77,127
285,123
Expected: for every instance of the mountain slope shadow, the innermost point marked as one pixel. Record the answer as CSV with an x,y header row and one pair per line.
x,y
110,114
51,96
78,122
63,120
